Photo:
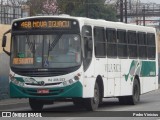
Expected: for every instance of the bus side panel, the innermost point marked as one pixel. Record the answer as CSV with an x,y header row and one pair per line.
x,y
127,74
112,68
88,87
148,76
145,70
100,70
117,87
149,84
89,81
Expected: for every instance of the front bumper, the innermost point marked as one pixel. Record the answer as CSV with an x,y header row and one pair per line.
x,y
71,91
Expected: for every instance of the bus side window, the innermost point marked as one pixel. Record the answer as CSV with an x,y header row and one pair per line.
x,y
87,37
100,43
151,49
132,44
88,48
142,48
122,44
111,43
88,45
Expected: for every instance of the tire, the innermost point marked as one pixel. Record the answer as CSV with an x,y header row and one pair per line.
x,y
92,104
135,98
36,105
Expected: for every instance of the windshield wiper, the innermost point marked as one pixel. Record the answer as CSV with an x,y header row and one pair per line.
x,y
31,45
54,42
48,50
51,46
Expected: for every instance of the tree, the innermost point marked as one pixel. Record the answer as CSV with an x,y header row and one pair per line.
x,y
50,7
42,7
16,2
36,6
83,8
87,8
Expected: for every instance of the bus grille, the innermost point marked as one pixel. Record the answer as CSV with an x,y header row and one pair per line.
x,y
41,73
46,84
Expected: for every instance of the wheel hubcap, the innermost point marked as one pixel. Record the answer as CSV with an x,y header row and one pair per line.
x,y
96,96
136,94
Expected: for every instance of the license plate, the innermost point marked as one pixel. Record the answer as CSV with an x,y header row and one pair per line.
x,y
42,91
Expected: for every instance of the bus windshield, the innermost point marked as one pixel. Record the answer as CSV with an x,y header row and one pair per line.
x,y
46,51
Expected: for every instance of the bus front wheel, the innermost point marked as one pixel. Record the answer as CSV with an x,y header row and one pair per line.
x,y
36,105
91,104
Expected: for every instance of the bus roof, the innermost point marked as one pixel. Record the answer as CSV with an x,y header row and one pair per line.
x,y
99,23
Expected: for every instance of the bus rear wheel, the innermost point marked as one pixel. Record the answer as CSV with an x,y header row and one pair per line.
x,y
35,104
92,104
134,98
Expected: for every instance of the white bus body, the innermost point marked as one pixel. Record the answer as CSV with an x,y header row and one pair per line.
x,y
109,59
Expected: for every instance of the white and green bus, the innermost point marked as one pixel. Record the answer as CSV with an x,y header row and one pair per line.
x,y
64,58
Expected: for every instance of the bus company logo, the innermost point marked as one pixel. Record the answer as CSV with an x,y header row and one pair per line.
x,y
42,83
6,114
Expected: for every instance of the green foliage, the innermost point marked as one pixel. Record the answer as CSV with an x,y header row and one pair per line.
x,y
83,8
36,6
87,8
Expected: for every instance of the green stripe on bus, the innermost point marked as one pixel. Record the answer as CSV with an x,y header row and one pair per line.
x,y
142,69
148,69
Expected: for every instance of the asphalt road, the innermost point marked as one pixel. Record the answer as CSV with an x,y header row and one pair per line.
x,y
149,104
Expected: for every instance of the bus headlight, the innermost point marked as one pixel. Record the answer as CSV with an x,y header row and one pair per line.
x,y
71,81
65,83
77,77
30,80
16,82
68,82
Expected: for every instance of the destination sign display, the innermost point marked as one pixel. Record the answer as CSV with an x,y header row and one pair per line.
x,y
19,61
45,23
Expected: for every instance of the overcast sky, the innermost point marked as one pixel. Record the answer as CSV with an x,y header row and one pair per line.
x,y
155,1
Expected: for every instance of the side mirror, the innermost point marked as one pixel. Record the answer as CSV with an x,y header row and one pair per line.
x,y
4,40
4,45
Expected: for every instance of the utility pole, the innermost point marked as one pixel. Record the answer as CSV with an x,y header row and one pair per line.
x,y
121,10
144,15
87,9
125,11
1,10
137,4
